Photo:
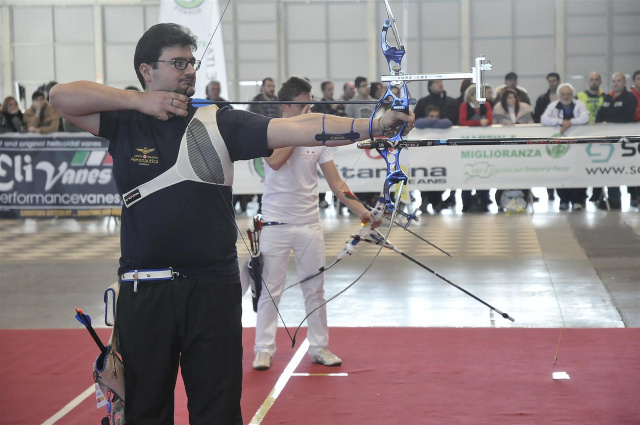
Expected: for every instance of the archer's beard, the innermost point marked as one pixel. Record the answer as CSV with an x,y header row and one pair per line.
x,y
188,89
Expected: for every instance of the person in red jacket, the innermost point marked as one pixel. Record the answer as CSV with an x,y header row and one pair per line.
x,y
635,90
473,113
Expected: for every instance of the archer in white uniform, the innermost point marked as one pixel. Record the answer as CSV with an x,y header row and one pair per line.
x,y
291,197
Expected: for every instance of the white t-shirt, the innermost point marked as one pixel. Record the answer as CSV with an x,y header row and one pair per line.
x,y
291,193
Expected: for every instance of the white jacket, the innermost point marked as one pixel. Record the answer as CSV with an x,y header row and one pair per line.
x,y
553,115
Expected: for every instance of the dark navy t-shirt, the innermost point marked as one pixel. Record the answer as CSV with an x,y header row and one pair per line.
x,y
189,226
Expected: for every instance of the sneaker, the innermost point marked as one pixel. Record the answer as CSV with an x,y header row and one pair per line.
x,y
564,206
577,207
327,358
323,204
262,361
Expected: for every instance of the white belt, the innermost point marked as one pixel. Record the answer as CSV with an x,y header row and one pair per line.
x,y
147,274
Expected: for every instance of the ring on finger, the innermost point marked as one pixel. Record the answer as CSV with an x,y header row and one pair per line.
x,y
172,101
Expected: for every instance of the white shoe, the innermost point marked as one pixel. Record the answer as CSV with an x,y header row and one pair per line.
x,y
262,361
323,204
577,207
327,358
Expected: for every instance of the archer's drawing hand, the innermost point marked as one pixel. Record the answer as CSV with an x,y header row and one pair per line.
x,y
163,104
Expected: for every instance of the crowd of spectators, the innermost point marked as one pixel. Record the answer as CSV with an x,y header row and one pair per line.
x,y
560,106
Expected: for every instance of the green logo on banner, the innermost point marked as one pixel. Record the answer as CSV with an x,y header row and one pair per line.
x,y
189,4
557,151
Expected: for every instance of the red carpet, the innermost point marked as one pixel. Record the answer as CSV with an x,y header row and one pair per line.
x,y
396,376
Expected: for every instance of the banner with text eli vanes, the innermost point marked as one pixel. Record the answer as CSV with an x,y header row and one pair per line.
x,y
201,17
61,175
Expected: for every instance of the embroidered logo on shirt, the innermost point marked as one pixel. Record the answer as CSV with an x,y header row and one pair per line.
x,y
308,153
145,158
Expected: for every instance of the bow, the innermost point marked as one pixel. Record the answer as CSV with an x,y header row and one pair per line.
x,y
399,102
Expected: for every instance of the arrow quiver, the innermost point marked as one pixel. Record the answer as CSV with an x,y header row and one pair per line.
x,y
108,369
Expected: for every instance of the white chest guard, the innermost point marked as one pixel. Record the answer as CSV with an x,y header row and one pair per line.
x,y
203,157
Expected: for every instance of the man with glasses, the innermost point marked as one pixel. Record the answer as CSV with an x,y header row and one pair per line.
x,y
180,295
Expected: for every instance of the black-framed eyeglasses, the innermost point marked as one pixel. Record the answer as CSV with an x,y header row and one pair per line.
x,y
181,64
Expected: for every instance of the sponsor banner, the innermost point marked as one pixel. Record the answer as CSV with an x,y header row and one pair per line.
x,y
201,17
62,175
485,167
70,174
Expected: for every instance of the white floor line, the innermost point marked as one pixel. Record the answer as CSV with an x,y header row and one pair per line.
x,y
70,406
280,384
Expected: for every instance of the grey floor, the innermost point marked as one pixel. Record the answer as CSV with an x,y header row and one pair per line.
x,y
544,268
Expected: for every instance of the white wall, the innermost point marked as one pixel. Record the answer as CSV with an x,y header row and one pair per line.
x,y
67,40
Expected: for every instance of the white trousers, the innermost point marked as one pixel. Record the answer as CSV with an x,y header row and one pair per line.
x,y
307,243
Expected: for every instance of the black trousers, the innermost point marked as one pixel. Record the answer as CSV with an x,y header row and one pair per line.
x,y
186,322
573,195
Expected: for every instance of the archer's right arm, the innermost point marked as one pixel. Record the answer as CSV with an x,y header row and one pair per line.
x,y
81,102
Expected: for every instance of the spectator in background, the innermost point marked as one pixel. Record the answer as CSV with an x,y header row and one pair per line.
x,y
510,111
488,94
362,111
376,91
327,88
41,117
267,93
433,120
553,79
566,112
447,109
434,197
473,113
618,106
437,96
348,91
362,94
511,81
593,96
635,90
464,85
213,93
11,119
